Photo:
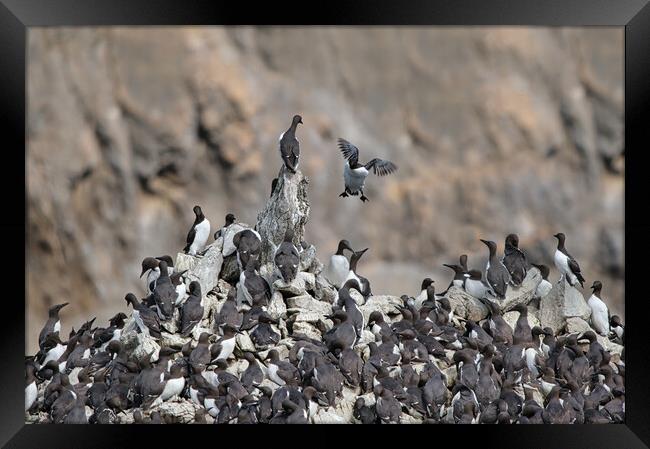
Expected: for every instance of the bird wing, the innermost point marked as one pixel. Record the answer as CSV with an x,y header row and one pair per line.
x,y
574,267
190,238
350,152
290,150
381,167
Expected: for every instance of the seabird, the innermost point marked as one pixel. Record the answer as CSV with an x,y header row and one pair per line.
x,y
264,335
192,311
179,285
475,286
566,264
224,347
253,375
522,333
164,294
31,390
146,319
496,273
53,323
387,407
199,232
343,334
151,269
514,260
599,310
355,174
544,287
230,219
338,268
616,325
249,245
352,274
279,371
255,289
229,315
287,257
290,147
351,309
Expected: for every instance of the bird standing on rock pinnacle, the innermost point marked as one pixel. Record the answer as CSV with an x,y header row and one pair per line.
x,y
290,147
355,174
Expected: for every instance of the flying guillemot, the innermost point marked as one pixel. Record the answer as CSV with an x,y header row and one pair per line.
x,y
355,173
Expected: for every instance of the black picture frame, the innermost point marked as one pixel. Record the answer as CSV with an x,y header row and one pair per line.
x,y
17,16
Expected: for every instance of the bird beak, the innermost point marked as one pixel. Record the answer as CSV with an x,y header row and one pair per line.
x,y
143,272
484,241
300,121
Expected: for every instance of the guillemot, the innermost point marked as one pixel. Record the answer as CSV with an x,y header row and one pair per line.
x,y
287,257
197,237
249,245
53,323
566,264
496,273
151,269
230,219
339,266
355,174
514,260
192,311
599,310
146,319
164,295
289,145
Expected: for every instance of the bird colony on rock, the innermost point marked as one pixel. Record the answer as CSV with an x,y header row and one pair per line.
x,y
252,328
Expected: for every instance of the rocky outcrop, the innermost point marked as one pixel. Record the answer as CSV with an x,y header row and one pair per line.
x,y
301,313
288,208
129,128
561,303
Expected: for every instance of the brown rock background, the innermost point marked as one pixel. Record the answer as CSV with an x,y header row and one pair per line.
x,y
495,130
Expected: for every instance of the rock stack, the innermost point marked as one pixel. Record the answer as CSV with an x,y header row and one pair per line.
x,y
301,312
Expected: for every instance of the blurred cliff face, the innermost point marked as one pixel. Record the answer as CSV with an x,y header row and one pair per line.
x,y
495,130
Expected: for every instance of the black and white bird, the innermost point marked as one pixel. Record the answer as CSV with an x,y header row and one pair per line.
x,y
230,219
352,274
496,273
287,257
566,264
339,266
199,233
151,269
544,286
355,173
249,245
514,260
290,147
192,311
599,310
476,286
254,288
146,319
164,294
53,323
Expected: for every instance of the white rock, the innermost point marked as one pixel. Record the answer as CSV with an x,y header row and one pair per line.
x,y
307,303
386,304
465,305
277,308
